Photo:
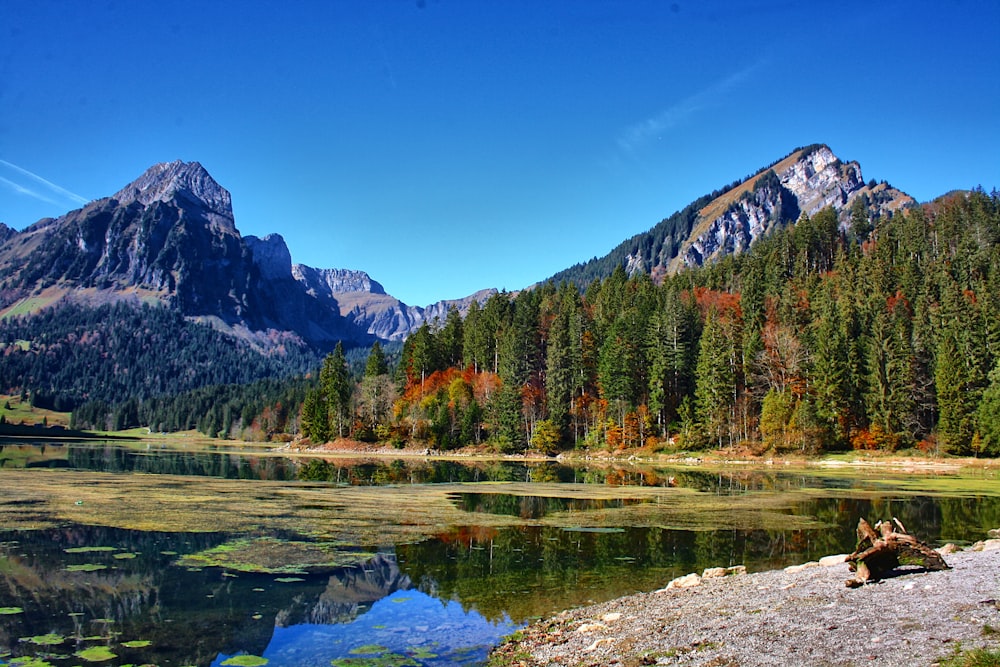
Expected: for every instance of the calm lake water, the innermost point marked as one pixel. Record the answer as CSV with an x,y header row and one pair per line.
x,y
78,593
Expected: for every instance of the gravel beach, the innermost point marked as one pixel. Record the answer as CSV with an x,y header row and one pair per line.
x,y
796,616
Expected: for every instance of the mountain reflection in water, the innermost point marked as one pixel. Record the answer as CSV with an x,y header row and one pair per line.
x,y
84,586
439,601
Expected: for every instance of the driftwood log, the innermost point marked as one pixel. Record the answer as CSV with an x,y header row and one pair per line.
x,y
879,553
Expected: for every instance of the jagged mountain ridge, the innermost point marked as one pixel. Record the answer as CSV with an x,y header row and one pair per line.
x,y
730,220
170,237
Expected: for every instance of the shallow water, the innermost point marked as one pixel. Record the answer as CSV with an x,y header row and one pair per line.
x,y
443,599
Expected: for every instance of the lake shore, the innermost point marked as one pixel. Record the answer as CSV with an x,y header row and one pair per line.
x,y
903,462
801,616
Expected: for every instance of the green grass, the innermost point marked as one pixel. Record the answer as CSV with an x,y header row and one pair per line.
x,y
27,306
16,411
979,657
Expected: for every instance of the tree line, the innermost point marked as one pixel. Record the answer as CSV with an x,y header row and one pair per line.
x,y
870,334
68,355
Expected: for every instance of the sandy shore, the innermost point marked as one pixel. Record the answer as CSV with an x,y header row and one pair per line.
x,y
804,617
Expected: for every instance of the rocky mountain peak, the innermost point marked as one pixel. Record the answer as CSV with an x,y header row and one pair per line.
x,y
166,181
335,281
271,256
805,182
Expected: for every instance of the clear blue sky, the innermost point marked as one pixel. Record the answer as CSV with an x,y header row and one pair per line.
x,y
445,146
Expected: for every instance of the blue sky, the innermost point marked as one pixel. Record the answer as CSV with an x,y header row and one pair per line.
x,y
445,146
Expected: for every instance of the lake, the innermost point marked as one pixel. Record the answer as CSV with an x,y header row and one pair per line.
x,y
145,554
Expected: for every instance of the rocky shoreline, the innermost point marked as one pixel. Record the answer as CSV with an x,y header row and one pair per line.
x,y
802,615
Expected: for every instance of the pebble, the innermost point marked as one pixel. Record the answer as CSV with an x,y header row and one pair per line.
x,y
781,617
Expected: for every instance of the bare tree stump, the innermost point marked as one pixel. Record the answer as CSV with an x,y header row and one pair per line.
x,y
878,554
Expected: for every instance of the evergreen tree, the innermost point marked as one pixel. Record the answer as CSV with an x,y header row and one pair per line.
x,y
337,387
988,416
375,387
715,379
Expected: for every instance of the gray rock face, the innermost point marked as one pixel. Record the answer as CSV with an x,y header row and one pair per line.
x,y
271,256
363,302
169,181
333,281
814,181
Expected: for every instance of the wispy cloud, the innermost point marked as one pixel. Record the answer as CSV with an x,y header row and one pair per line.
x,y
23,182
638,135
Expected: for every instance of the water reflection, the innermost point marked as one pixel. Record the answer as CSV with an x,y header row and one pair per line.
x,y
436,602
534,507
152,458
82,586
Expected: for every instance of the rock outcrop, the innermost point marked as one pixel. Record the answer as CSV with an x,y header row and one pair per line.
x,y
804,183
170,237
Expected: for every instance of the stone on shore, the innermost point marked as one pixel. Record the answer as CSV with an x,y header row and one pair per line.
x,y
687,581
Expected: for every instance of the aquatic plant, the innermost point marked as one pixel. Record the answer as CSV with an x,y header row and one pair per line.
x,y
85,567
50,639
95,654
245,660
270,555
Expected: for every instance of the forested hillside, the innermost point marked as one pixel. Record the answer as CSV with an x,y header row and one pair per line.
x,y
883,334
66,355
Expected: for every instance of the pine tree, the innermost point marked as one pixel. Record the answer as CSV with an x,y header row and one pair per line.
x,y
715,379
335,383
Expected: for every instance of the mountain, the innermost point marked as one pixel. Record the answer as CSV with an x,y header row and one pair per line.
x,y
170,238
729,220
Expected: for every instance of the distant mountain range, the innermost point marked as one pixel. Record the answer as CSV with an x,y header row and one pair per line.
x,y
170,238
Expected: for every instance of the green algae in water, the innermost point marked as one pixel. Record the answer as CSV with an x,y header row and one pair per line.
x,y
87,550
86,567
245,661
10,611
268,555
50,639
389,660
125,556
28,661
95,654
137,643
421,653
369,649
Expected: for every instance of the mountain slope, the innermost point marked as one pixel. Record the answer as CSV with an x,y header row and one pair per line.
x,y
729,220
170,237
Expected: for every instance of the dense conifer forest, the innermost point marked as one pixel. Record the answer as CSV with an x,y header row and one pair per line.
x,y
879,334
69,355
